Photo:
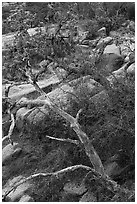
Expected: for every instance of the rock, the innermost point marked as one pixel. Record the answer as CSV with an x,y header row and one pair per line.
x,y
131,69
19,192
75,188
26,198
20,117
16,194
28,91
88,197
102,32
101,102
32,121
61,73
109,62
8,39
10,152
38,119
12,182
112,49
5,173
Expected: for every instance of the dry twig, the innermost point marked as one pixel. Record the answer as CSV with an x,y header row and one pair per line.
x,y
76,142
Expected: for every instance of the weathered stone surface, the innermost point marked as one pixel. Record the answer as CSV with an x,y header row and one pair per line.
x,y
8,39
38,119
10,152
112,49
33,121
61,73
20,190
131,69
100,102
28,91
15,195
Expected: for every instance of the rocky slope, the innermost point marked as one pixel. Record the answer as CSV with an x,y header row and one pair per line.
x,y
32,152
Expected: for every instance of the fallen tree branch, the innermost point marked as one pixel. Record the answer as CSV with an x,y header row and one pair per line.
x,y
89,149
78,113
76,142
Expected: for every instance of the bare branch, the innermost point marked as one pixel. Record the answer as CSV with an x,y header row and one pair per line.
x,y
78,113
64,140
58,174
89,149
6,122
5,138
